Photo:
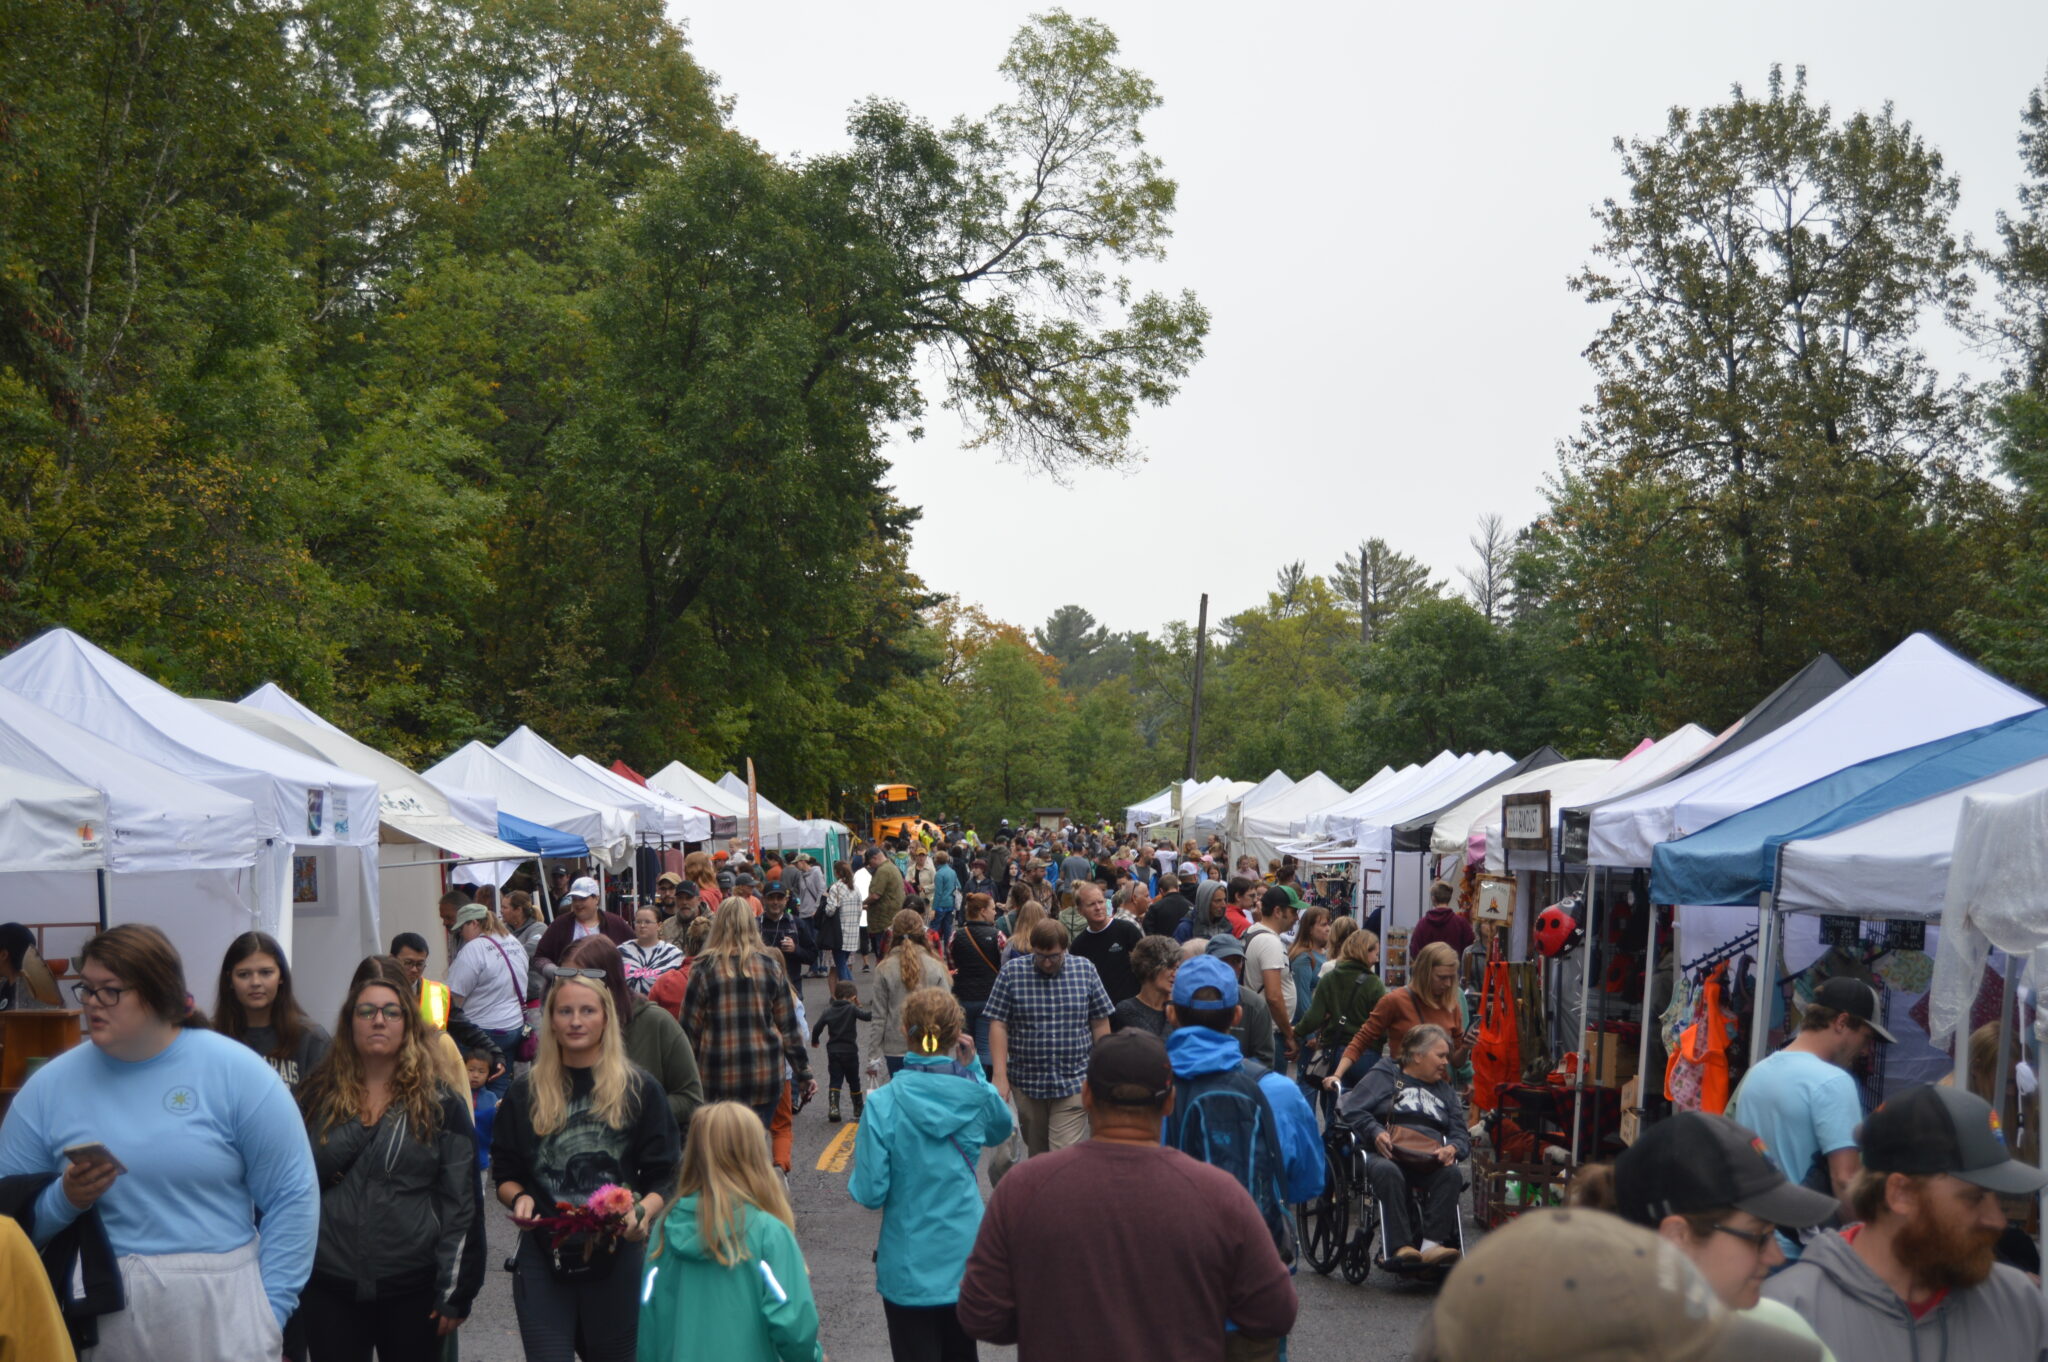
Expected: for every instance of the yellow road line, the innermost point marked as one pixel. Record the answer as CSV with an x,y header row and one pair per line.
x,y
839,1150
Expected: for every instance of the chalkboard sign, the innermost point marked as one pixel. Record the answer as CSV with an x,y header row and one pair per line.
x,y
1841,931
1900,935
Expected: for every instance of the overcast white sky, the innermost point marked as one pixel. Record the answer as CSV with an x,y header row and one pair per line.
x,y
1380,206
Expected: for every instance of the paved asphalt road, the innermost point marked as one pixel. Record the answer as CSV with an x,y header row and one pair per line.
x,y
1337,1323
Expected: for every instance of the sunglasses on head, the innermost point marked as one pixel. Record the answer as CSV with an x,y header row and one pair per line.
x,y
596,974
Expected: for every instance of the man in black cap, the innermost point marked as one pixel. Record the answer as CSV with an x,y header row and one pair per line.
x,y
1162,1230
1916,1279
1802,1101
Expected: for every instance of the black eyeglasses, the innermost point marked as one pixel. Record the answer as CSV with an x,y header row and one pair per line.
x,y
1756,1239
388,1011
107,995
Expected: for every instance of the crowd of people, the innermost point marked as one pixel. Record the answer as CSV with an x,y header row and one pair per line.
x,y
1145,1047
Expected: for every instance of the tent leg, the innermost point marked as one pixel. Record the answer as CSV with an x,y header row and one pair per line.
x,y
547,904
1585,995
1649,1002
2007,1019
1767,951
100,875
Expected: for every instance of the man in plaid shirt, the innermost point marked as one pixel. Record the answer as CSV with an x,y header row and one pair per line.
x,y
1044,1014
741,1017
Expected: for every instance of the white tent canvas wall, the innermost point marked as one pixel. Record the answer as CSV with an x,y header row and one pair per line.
x,y
1330,822
50,826
685,784
1200,813
301,803
796,833
418,831
680,822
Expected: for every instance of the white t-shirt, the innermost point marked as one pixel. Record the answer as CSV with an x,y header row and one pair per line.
x,y
1263,950
480,978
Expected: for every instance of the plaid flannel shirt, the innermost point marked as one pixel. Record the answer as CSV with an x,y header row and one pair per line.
x,y
1050,1023
742,1026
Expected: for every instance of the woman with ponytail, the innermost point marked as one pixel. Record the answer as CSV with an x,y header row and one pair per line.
x,y
914,1159
909,967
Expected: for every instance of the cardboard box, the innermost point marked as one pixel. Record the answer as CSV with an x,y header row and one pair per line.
x,y
1611,1058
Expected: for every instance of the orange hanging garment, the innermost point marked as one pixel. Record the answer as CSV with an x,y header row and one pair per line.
x,y
1497,1054
1696,1079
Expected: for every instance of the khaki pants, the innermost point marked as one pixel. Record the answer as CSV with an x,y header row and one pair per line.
x,y
1049,1123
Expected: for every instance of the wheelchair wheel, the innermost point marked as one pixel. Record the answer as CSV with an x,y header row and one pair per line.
x,y
1363,1217
1321,1222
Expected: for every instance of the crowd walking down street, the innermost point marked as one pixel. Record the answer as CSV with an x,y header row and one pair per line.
x,y
1053,1132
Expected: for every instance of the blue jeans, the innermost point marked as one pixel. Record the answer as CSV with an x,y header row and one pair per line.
x,y
943,921
842,964
508,1045
977,1026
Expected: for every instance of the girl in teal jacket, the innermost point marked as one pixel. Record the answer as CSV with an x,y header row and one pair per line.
x,y
725,1280
914,1159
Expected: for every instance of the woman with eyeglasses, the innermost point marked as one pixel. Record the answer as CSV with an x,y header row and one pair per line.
x,y
1702,1182
581,1118
399,1197
190,1136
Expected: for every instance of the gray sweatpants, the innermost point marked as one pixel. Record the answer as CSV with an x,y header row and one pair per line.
x,y
185,1306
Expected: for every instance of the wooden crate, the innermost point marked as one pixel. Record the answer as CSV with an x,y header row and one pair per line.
x,y
1502,1191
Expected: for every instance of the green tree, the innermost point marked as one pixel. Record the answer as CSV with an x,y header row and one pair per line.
x,y
1012,720
1765,433
1438,677
1376,582
1282,682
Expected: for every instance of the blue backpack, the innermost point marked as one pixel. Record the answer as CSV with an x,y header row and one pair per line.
x,y
1224,1120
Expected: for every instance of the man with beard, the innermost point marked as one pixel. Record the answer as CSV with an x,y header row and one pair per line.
x,y
1916,1279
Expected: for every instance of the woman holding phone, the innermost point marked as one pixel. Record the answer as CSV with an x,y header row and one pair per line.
x,y
197,1138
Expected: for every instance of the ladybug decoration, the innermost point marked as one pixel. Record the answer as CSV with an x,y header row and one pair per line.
x,y
1558,933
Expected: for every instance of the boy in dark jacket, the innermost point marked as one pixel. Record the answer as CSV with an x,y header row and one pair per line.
x,y
842,1051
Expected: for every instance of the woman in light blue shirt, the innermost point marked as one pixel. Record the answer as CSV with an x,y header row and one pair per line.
x,y
201,1137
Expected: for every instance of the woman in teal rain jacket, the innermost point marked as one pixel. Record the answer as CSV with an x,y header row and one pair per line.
x,y
914,1159
724,1279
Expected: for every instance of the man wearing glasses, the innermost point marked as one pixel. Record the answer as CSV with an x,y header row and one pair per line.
x,y
1044,1014
437,1008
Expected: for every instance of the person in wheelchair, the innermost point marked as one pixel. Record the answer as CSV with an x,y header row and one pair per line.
x,y
1407,1115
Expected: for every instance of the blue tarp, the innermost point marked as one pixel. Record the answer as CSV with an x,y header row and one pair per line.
x,y
1734,861
534,837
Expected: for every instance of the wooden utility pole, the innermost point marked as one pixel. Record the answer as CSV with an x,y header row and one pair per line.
x,y
1201,654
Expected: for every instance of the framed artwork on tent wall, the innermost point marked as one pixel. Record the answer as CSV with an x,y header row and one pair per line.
x,y
312,894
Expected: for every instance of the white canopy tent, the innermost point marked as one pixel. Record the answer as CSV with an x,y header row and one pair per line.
x,y
680,822
1373,830
302,805
796,833
1917,692
1276,782
1641,770
1145,810
638,816
419,830
272,698
525,795
1201,813
1332,821
1257,826
50,826
1473,824
686,785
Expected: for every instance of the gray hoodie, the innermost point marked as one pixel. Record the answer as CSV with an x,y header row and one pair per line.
x,y
1860,1317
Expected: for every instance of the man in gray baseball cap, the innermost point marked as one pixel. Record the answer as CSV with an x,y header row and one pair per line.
x,y
1917,1277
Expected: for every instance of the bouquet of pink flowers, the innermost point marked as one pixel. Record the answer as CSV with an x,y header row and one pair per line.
x,y
601,1219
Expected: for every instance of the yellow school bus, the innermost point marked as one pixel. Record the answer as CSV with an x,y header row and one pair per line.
x,y
896,813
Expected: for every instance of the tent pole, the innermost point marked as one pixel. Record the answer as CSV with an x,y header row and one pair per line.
x,y
2007,1019
1585,994
1649,1002
100,875
541,882
1767,951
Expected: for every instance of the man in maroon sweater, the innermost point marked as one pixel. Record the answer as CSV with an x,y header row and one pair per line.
x,y
1180,1236
1441,923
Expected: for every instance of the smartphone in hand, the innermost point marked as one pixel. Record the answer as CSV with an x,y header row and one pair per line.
x,y
94,1153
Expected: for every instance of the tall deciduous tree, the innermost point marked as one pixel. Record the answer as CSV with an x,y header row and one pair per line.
x,y
1765,428
1488,578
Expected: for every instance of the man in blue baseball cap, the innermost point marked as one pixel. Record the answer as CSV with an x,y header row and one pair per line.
x,y
1233,1112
